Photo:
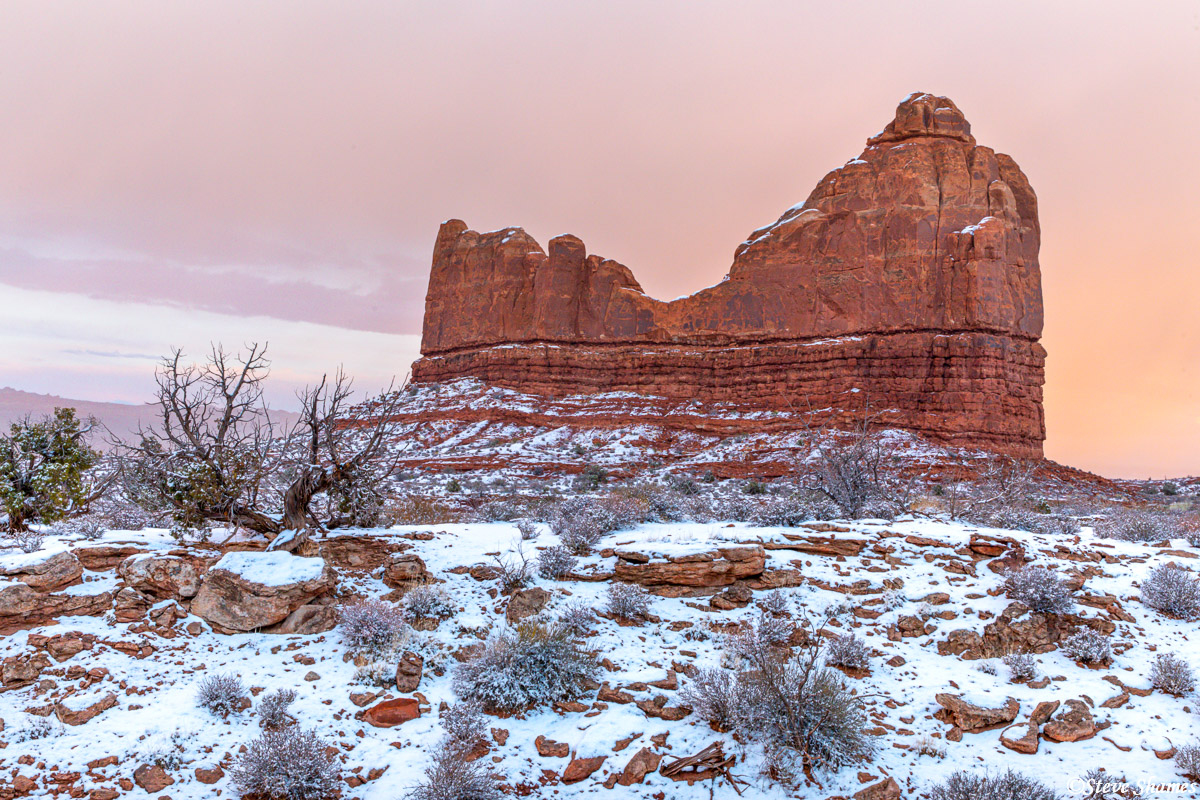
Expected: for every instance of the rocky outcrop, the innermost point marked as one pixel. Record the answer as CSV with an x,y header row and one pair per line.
x,y
247,591
160,576
909,274
714,568
45,572
22,607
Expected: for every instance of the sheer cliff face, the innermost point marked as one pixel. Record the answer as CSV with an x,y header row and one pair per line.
x,y
910,274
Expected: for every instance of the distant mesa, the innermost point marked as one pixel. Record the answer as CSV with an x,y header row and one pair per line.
x,y
909,276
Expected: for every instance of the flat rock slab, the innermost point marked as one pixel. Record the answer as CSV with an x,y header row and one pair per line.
x,y
391,713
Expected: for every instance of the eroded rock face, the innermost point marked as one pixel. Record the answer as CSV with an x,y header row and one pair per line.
x,y
971,718
21,607
162,577
246,591
716,568
47,574
910,273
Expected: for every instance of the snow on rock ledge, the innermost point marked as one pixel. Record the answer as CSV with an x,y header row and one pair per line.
x,y
245,591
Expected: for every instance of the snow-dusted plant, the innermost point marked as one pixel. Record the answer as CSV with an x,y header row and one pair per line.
x,y
222,695
451,777
1171,674
1187,761
35,728
578,618
928,746
988,667
1172,590
1022,667
88,526
30,541
530,665
514,571
528,529
1088,646
1134,525
427,602
291,763
776,603
847,651
712,694
273,708
465,725
556,562
370,626
893,599
1040,589
168,751
1008,785
628,601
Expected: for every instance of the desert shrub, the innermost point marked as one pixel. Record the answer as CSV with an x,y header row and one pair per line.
x,y
590,478
452,777
412,510
556,562
221,694
1133,525
1187,761
773,631
1009,785
29,541
1011,518
88,526
273,708
1040,589
798,711
290,763
515,571
427,602
528,529
1173,591
712,694
782,512
167,751
36,728
370,626
1088,646
465,726
124,516
988,667
497,511
577,618
1021,667
581,522
754,487
1171,674
628,601
928,746
1061,524
776,604
847,651
893,599
530,665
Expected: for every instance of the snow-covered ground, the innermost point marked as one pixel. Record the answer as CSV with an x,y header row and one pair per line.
x,y
156,710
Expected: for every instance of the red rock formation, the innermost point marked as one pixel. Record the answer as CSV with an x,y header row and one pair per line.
x,y
909,276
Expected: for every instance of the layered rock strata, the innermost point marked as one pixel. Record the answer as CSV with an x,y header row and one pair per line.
x,y
909,281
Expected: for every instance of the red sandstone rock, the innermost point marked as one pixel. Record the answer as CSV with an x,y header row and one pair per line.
x,y
910,273
580,768
391,713
718,567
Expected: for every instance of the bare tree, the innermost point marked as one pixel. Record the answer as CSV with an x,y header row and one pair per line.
x,y
1002,481
856,467
340,450
214,445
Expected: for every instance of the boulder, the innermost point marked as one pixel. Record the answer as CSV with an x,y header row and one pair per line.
x,y
581,768
152,778
130,605
391,713
1017,630
307,620
1072,724
971,718
405,570
18,671
45,572
525,603
409,671
160,576
886,789
103,557
75,713
709,568
247,590
22,607
643,762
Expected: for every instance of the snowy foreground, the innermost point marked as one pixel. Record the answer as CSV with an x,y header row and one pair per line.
x,y
156,711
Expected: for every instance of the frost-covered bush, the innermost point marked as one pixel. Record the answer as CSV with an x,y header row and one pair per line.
x,y
556,562
122,516
530,665
578,618
30,541
273,708
712,694
528,529
581,522
88,526
370,626
786,512
427,602
222,695
452,777
167,752
893,599
1187,761
465,726
628,601
847,651
801,713
1099,784
1171,674
776,604
1088,646
1022,667
35,728
1010,785
1173,591
514,571
290,763
1133,525
1040,589
928,746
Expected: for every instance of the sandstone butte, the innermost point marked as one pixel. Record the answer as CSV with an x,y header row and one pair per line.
x,y
907,281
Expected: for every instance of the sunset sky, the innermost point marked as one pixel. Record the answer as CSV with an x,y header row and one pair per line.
x,y
174,173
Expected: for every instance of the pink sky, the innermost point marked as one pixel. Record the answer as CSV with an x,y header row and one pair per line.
x,y
175,172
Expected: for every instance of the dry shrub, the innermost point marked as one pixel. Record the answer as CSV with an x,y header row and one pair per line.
x,y
527,666
1136,525
1173,591
556,562
1088,646
1009,785
578,618
1187,761
1022,667
847,651
414,510
290,763
221,695
370,626
1171,674
1040,589
628,601
427,602
273,708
